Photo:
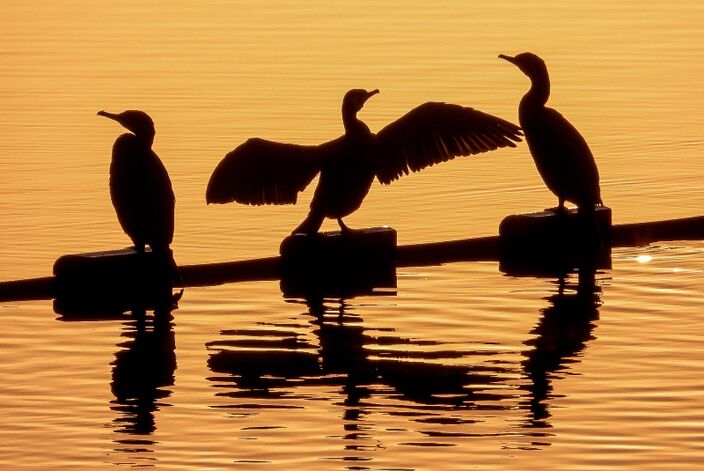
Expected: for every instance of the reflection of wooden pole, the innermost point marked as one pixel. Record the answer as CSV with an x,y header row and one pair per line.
x,y
433,253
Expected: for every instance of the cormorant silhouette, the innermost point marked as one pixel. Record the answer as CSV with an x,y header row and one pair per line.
x,y
561,154
265,172
140,187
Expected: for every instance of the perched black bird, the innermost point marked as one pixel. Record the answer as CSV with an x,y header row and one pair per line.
x,y
265,172
140,187
560,152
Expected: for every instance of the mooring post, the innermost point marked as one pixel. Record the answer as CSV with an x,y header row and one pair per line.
x,y
556,239
114,279
338,263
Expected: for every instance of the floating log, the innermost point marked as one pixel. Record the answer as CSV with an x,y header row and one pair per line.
x,y
338,263
433,253
644,233
436,253
28,290
210,274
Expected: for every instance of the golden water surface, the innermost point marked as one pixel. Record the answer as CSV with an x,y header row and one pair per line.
x,y
464,367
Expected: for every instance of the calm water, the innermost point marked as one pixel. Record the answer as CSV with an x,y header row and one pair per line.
x,y
464,367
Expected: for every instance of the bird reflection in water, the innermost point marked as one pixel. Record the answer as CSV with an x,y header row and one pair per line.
x,y
143,371
560,335
144,366
370,368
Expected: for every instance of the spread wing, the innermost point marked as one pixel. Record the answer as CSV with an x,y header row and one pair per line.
x,y
436,132
264,172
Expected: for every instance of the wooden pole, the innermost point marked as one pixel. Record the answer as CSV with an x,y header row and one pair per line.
x,y
433,253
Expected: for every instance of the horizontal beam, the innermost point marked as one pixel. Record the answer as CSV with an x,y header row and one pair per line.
x,y
432,253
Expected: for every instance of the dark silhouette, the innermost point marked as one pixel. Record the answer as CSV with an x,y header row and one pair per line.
x,y
561,334
266,363
144,365
143,371
112,282
265,172
338,266
560,152
140,187
270,366
550,243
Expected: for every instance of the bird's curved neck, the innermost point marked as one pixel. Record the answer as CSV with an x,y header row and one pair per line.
x,y
351,122
147,139
539,90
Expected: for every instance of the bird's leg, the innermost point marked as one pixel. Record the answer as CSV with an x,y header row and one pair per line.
x,y
560,208
343,227
310,225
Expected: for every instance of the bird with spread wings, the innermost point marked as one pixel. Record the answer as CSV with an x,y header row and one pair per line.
x,y
260,171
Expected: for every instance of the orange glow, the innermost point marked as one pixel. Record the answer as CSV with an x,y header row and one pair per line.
x,y
610,383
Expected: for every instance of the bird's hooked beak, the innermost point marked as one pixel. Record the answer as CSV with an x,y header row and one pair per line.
x,y
371,94
137,122
112,116
512,60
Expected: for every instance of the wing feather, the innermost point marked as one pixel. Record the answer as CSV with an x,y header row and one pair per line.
x,y
437,132
265,172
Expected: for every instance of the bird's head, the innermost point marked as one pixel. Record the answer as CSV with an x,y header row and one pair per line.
x,y
529,63
354,100
138,122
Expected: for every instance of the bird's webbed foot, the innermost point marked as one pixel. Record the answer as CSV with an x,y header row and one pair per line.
x,y
560,209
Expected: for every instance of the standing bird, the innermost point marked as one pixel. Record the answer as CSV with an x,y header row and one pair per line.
x,y
140,187
265,172
561,154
